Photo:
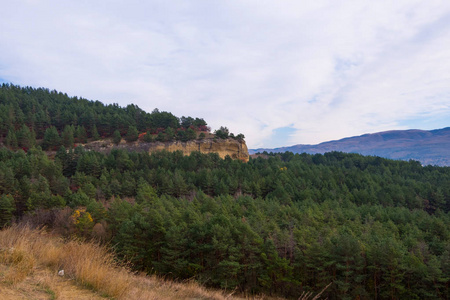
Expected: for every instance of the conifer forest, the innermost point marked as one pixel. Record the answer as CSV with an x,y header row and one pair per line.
x,y
280,224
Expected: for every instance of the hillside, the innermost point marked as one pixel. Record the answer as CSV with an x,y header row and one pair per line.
x,y
283,224
429,147
36,264
31,259
39,117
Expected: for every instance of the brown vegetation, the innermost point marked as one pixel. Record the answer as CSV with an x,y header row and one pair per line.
x,y
24,251
30,260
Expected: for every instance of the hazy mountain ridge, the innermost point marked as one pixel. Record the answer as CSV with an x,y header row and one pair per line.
x,y
429,147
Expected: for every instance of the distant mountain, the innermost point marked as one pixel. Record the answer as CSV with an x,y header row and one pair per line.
x,y
429,147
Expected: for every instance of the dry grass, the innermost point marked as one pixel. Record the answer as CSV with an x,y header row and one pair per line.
x,y
30,260
310,295
48,282
89,264
24,250
21,262
45,284
94,267
152,287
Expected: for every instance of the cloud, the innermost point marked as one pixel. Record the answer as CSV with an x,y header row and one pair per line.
x,y
326,69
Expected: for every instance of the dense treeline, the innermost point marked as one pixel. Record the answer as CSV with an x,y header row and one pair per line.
x,y
283,224
30,116
41,108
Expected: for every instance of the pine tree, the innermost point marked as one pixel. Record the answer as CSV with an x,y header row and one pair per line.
x,y
68,136
116,137
190,134
132,134
7,207
148,138
145,193
52,139
80,135
25,137
94,133
170,134
11,139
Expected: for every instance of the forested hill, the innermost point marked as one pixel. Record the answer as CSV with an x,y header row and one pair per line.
x,y
429,147
51,119
282,223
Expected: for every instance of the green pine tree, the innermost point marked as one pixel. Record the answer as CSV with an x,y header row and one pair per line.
x,y
132,134
116,137
7,207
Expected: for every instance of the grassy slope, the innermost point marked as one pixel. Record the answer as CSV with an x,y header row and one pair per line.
x,y
30,260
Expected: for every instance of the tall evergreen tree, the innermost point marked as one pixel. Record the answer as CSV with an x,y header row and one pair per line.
x,y
51,139
132,134
7,207
116,137
68,136
11,139
94,133
80,134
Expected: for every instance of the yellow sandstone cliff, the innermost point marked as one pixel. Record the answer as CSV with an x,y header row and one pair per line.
x,y
223,147
231,147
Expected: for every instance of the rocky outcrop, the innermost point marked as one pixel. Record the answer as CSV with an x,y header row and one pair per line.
x,y
231,147
223,147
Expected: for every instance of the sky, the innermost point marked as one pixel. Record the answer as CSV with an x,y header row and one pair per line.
x,y
280,72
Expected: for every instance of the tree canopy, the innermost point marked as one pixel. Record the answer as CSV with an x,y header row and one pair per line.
x,y
282,224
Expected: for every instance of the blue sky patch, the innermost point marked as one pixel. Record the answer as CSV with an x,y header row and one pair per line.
x,y
281,135
435,122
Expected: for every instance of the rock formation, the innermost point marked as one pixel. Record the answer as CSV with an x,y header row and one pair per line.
x,y
223,147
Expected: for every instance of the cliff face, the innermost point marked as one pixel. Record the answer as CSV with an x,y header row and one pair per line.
x,y
233,148
223,147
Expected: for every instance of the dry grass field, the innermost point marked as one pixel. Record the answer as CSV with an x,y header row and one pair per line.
x,y
31,259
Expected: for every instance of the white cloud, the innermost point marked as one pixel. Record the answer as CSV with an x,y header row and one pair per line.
x,y
329,69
